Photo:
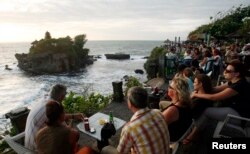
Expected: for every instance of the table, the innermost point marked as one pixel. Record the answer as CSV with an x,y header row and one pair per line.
x,y
94,122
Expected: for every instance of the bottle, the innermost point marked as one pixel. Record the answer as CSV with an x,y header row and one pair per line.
x,y
156,90
86,124
111,120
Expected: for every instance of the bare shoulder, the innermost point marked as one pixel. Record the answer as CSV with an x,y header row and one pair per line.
x,y
171,114
171,110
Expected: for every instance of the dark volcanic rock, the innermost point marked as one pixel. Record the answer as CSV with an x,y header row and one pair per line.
x,y
117,56
7,67
49,63
139,71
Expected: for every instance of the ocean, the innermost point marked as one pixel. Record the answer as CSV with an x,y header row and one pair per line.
x,y
18,89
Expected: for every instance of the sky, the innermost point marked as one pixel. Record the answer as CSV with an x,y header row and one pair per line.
x,y
28,20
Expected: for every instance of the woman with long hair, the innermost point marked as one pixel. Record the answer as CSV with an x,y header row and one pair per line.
x,y
234,94
178,114
202,85
56,137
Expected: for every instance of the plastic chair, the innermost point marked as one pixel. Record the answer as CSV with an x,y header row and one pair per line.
x,y
175,145
15,143
232,126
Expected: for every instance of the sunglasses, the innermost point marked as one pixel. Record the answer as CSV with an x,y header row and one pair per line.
x,y
228,71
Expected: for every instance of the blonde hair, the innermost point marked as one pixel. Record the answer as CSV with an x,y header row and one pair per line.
x,y
182,89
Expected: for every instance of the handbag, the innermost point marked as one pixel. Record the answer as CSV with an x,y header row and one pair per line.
x,y
107,131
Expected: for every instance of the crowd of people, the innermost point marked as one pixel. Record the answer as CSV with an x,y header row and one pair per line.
x,y
192,98
207,64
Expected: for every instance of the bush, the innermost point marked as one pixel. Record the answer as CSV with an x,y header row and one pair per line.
x,y
152,63
132,81
88,105
72,48
9,130
3,146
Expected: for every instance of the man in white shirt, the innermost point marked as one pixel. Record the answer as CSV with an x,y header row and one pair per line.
x,y
37,117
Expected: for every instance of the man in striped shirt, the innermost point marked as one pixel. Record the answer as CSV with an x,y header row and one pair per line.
x,y
147,131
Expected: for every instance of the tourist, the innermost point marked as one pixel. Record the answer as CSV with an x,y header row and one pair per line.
x,y
146,132
234,94
202,85
188,58
195,62
217,63
178,114
231,53
195,58
207,62
56,137
188,75
180,70
245,50
37,117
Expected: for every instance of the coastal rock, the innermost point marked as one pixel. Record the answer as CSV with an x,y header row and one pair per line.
x,y
97,56
118,56
125,77
51,55
7,68
49,63
139,71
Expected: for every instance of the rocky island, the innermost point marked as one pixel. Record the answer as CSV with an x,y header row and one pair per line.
x,y
51,56
118,56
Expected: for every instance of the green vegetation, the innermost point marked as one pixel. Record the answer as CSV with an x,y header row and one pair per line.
x,y
132,81
3,144
230,22
152,62
73,49
88,105
62,45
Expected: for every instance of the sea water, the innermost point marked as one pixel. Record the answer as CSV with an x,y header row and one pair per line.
x,y
18,89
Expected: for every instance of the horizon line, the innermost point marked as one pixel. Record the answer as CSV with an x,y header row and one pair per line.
x,y
86,39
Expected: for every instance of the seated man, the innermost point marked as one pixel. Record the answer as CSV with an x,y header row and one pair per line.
x,y
146,132
37,117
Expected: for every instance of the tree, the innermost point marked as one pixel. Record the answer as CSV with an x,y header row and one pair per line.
x,y
227,23
80,40
153,60
47,36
